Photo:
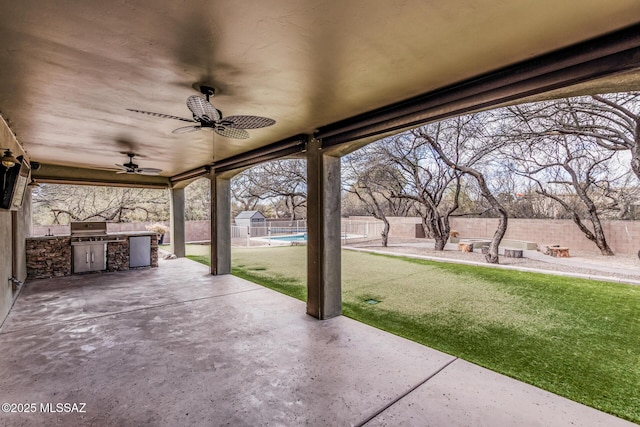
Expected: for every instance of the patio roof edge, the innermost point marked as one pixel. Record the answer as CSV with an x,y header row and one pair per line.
x,y
604,56
56,174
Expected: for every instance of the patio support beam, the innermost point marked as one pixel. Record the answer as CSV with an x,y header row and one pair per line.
x,y
177,230
324,291
220,224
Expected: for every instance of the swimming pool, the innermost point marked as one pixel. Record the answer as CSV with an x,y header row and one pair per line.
x,y
294,238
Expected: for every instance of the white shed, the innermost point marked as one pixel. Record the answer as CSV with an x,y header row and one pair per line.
x,y
251,219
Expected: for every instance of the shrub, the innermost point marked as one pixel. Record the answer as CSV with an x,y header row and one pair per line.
x,y
158,228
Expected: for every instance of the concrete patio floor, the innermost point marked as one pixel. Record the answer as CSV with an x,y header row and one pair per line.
x,y
174,346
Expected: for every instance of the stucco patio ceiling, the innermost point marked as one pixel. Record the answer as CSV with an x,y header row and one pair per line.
x,y
69,70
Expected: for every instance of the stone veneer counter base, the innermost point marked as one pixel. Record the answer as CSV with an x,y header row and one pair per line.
x,y
51,256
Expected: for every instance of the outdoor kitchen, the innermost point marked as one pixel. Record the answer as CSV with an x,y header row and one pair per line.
x,y
89,248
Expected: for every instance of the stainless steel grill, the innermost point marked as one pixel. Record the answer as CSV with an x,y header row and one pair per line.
x,y
89,243
84,232
91,232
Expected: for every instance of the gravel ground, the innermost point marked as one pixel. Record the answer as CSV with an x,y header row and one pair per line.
x,y
626,262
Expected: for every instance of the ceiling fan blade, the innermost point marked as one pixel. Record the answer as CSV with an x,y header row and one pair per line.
x,y
186,129
122,171
164,116
247,122
232,133
148,171
202,109
126,168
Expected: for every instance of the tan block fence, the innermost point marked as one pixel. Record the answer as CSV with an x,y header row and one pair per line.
x,y
623,236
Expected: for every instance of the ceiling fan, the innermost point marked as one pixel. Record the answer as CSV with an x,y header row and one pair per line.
x,y
209,117
132,168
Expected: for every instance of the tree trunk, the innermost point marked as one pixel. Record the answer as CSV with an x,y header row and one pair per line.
x,y
440,240
291,207
444,228
601,240
492,255
635,151
425,227
385,231
598,232
597,236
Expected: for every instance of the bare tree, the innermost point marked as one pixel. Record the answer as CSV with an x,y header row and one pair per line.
x,y
611,121
620,197
469,145
198,200
59,204
243,194
281,183
570,168
376,184
427,180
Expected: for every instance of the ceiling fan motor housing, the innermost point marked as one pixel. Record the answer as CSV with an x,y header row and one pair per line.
x,y
207,91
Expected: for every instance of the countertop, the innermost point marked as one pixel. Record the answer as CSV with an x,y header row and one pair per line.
x,y
122,233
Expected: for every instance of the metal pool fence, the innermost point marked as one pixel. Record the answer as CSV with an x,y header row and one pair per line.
x,y
282,233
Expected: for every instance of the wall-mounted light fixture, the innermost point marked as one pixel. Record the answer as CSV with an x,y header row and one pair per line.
x,y
8,161
14,177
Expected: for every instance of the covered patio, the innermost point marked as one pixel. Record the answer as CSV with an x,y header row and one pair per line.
x,y
85,88
176,346
187,345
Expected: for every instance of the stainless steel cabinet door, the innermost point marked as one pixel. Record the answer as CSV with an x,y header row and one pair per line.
x,y
139,251
98,257
89,257
81,258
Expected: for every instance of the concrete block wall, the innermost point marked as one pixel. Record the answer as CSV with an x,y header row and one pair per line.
x,y
399,226
622,236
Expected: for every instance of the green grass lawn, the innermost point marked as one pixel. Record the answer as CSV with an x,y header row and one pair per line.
x,y
577,338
